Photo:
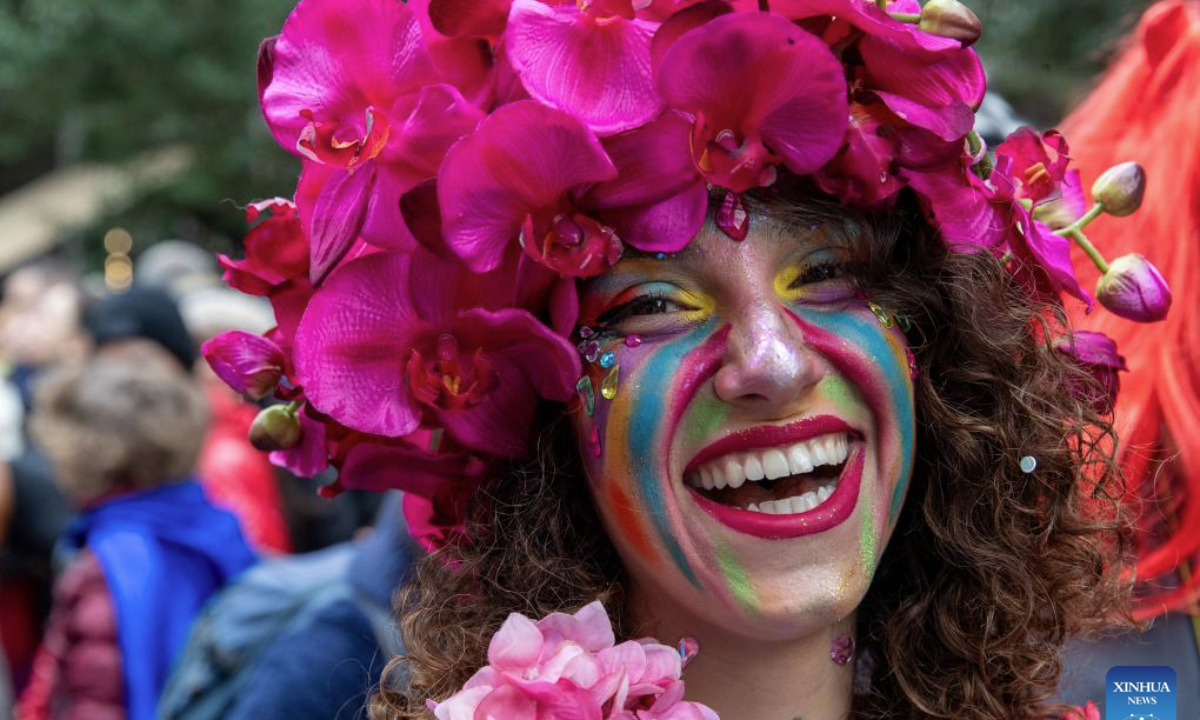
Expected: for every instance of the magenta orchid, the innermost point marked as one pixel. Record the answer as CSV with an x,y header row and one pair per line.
x,y
763,93
1097,354
382,349
540,178
250,364
569,667
351,86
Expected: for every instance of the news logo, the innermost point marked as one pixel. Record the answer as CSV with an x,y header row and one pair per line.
x,y
1140,693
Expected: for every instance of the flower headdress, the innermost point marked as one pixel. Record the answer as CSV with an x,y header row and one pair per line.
x,y
466,161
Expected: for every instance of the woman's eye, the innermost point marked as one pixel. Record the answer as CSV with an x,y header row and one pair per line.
x,y
820,273
645,305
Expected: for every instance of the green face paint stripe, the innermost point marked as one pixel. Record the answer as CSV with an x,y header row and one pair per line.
x,y
736,579
867,540
706,415
839,390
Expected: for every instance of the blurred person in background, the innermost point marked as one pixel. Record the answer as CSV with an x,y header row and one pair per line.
x,y
239,481
40,327
303,637
232,472
123,432
1145,110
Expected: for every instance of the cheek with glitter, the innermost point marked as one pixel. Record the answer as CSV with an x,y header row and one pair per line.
x,y
873,360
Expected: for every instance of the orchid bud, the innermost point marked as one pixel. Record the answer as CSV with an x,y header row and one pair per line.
x,y
1097,354
275,428
1134,289
951,19
1120,189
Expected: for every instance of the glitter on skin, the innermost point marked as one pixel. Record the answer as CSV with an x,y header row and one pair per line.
x,y
880,347
867,538
645,419
706,415
736,579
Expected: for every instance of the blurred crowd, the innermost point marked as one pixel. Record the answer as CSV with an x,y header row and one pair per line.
x,y
129,495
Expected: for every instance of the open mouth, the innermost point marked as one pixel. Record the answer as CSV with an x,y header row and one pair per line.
x,y
784,480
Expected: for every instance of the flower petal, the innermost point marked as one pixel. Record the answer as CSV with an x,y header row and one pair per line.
x,y
666,226
335,219
336,58
516,645
482,18
351,345
653,162
250,364
521,160
596,70
955,76
950,122
763,80
530,361
311,456
961,207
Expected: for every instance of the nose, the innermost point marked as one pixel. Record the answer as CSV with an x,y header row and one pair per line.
x,y
767,367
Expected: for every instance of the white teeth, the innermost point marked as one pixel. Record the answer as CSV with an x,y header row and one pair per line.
x,y
793,505
798,460
735,475
772,463
775,464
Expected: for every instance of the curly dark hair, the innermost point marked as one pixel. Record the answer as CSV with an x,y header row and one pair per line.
x,y
987,573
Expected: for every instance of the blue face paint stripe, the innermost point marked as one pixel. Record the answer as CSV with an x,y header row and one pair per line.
x,y
645,428
864,332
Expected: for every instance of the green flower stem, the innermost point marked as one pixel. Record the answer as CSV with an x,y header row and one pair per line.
x,y
1082,241
294,407
1075,232
910,18
882,4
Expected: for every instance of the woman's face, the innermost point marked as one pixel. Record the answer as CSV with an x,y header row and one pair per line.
x,y
756,453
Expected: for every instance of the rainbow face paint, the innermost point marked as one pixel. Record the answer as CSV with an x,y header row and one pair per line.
x,y
759,445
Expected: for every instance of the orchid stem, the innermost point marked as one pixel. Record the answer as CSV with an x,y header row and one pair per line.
x,y
1075,232
294,407
882,4
1082,241
910,18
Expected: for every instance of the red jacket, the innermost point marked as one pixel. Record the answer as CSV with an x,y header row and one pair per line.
x,y
77,674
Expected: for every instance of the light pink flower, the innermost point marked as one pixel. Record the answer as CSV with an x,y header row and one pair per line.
x,y
568,667
762,91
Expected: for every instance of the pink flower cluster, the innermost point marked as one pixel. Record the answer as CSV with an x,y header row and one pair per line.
x,y
464,162
569,667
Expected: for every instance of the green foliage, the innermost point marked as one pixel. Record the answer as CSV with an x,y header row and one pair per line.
x,y
1043,55
103,81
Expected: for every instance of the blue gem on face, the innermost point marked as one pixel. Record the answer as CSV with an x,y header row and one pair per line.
x,y
608,359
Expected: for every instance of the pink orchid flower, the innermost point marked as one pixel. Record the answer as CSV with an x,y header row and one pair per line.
x,y
380,122
250,364
384,348
1097,354
276,250
1038,164
311,456
590,58
538,177
762,92
997,214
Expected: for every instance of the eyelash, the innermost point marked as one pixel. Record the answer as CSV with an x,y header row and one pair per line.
x,y
820,272
655,302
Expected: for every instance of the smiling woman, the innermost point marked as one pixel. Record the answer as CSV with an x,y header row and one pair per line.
x,y
885,389
708,320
